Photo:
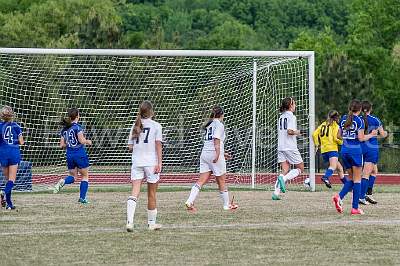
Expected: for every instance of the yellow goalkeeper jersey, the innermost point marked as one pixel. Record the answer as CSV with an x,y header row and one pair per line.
x,y
326,136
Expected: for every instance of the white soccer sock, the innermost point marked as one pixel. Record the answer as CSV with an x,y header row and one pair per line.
x,y
277,188
292,174
151,216
130,209
225,197
193,194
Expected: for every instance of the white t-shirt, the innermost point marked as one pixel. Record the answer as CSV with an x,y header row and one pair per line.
x,y
144,148
215,130
287,142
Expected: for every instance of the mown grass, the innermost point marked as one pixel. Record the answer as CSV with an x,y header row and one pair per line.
x,y
301,229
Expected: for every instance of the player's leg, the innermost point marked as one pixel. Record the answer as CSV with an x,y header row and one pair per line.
x,y
84,186
357,172
132,201
340,171
366,172
3,195
332,158
11,177
152,206
347,186
194,192
72,175
280,183
371,183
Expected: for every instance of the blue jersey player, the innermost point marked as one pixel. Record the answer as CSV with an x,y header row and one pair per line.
x,y
10,154
352,131
74,141
370,150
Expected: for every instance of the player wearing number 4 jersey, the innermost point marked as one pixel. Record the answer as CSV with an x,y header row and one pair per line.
x,y
212,160
145,142
10,155
328,137
74,141
288,153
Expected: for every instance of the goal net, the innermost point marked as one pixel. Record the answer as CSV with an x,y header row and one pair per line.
x,y
107,87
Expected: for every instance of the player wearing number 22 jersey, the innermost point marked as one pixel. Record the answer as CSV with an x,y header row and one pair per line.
x,y
145,142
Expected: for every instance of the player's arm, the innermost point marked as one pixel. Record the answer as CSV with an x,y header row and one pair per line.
x,y
130,140
83,140
315,136
337,136
363,137
292,127
62,143
21,140
217,146
382,133
159,157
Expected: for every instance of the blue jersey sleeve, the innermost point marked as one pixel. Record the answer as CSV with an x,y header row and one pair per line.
x,y
17,130
360,123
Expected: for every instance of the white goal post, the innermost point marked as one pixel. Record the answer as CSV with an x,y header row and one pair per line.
x,y
107,86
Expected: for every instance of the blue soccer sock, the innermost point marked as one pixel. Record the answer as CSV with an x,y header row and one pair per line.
x,y
364,187
69,180
346,188
83,189
328,173
371,183
7,191
356,195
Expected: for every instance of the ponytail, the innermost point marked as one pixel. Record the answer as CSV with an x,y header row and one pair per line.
x,y
332,116
145,111
286,103
216,112
349,120
137,127
366,107
354,107
66,122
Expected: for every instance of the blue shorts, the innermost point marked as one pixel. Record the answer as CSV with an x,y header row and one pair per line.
x,y
350,160
10,157
327,155
78,160
371,156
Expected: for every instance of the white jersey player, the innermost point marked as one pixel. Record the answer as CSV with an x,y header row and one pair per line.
x,y
145,142
288,153
212,160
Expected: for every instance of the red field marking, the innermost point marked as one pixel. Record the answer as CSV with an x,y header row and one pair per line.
x,y
167,178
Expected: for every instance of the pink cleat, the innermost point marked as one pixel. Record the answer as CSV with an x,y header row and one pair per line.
x,y
338,203
357,211
190,208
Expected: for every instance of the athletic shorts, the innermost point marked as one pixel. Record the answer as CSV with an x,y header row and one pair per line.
x,y
10,157
327,155
78,160
293,157
207,165
350,160
140,172
371,156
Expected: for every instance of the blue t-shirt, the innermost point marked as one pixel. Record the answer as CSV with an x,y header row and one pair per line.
x,y
351,144
70,136
9,134
373,124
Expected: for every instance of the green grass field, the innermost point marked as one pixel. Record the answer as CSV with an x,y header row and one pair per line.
x,y
301,229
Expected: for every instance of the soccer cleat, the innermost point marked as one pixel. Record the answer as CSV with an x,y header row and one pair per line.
x,y
281,183
10,207
326,182
363,202
3,201
370,199
190,207
356,211
83,201
58,186
153,227
338,203
275,197
231,207
129,227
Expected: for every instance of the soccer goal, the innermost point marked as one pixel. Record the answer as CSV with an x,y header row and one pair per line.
x,y
108,85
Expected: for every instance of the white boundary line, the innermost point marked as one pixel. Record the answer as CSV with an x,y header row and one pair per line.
x,y
395,222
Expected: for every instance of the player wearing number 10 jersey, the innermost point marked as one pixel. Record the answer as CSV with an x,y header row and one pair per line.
x,y
288,153
327,136
145,142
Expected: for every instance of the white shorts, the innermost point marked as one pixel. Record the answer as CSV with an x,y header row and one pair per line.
x,y
206,164
293,157
139,172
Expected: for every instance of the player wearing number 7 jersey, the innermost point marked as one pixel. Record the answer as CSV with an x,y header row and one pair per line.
x,y
74,141
288,153
327,135
145,143
212,160
10,155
